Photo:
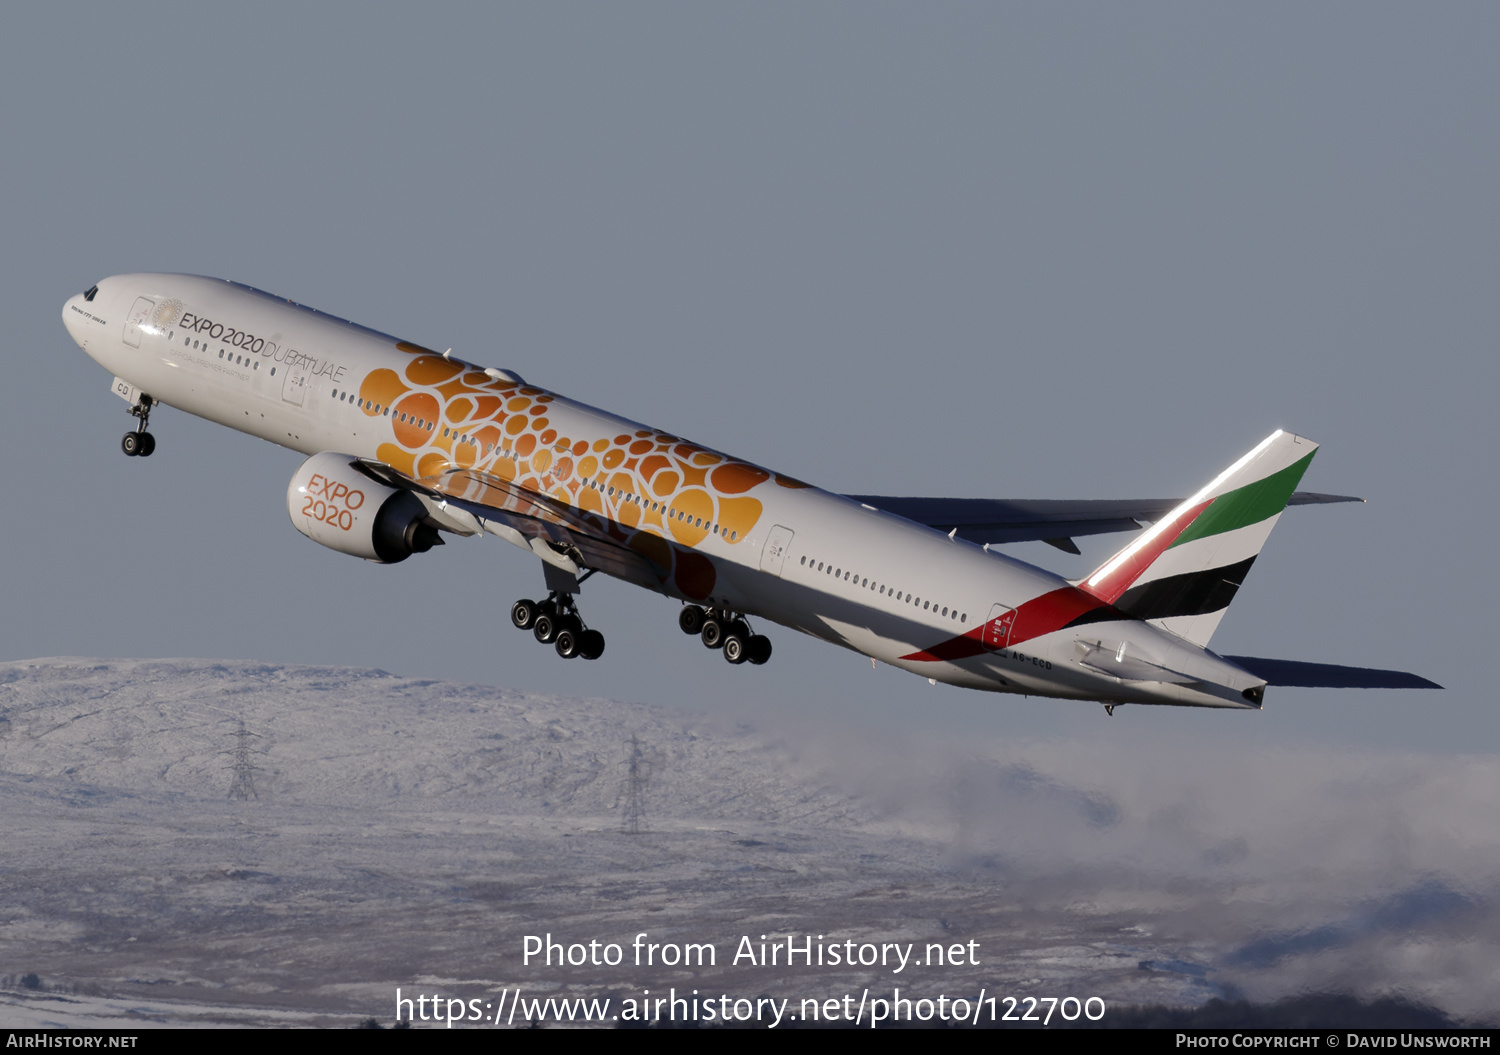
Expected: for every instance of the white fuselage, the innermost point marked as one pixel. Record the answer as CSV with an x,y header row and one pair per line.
x,y
892,589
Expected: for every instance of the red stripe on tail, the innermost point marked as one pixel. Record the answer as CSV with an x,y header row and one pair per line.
x,y
1119,578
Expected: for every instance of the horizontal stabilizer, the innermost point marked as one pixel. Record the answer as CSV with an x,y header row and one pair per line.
x,y
1313,498
1328,675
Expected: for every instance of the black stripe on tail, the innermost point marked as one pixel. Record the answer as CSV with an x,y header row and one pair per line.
x,y
1192,593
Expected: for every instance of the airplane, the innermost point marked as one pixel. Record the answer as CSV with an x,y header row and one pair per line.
x,y
406,444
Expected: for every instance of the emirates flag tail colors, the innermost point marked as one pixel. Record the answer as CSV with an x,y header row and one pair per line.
x,y
407,445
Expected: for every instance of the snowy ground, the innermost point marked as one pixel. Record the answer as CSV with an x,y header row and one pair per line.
x,y
385,832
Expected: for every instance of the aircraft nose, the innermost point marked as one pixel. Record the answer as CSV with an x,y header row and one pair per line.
x,y
70,314
77,314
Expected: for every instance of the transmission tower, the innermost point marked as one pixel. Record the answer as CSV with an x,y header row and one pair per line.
x,y
637,773
243,785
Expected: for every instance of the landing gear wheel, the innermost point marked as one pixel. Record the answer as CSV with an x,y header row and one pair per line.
x,y
591,644
140,442
712,633
555,622
568,643
691,619
523,614
736,650
545,627
759,649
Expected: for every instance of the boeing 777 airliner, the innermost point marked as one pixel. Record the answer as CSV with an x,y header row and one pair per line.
x,y
406,444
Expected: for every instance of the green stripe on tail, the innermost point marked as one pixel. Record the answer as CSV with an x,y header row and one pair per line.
x,y
1246,505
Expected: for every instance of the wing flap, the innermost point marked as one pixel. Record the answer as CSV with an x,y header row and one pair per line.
x,y
499,505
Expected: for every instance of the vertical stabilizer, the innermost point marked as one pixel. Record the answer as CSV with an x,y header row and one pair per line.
x,y
1182,572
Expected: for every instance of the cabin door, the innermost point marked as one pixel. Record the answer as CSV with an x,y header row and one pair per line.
x,y
294,388
997,630
774,555
139,313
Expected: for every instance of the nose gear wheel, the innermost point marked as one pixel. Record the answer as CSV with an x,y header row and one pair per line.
x,y
140,443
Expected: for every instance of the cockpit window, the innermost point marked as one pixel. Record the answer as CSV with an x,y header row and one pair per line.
x,y
88,294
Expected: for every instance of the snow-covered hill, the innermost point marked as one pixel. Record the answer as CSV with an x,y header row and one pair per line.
x,y
192,841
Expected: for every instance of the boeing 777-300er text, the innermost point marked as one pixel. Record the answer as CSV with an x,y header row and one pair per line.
x,y
406,443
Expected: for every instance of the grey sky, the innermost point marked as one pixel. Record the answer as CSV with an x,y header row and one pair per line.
x,y
1024,251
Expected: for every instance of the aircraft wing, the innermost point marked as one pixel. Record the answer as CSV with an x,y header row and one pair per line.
x,y
1053,521
540,521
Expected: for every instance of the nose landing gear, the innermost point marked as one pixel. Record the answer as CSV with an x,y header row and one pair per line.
x,y
556,622
140,443
721,629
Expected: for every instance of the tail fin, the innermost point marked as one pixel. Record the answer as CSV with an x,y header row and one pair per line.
x,y
1183,571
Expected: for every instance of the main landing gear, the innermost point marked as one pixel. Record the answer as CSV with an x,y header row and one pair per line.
x,y
556,622
140,443
725,630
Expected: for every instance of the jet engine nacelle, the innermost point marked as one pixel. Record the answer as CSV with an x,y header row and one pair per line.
x,y
336,505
